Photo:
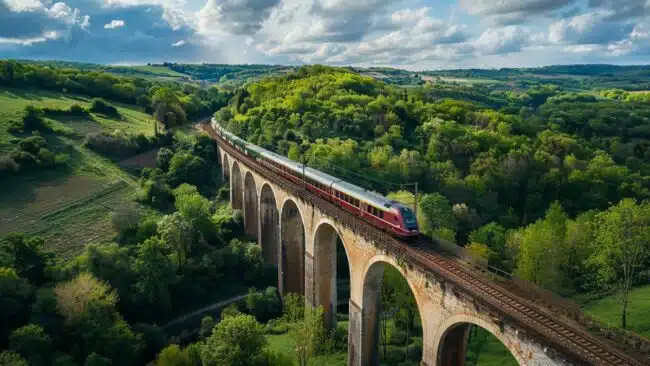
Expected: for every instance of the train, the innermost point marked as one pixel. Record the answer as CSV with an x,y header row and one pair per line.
x,y
379,211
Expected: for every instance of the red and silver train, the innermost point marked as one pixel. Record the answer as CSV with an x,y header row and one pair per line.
x,y
376,209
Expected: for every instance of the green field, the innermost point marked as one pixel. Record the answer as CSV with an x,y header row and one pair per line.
x,y
608,310
14,101
284,344
69,208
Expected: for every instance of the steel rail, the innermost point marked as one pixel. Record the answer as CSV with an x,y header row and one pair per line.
x,y
572,342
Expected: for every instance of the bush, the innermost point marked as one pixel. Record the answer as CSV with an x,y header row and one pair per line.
x,y
415,352
24,159
15,127
32,144
230,310
61,159
276,328
78,110
8,358
394,355
100,106
118,145
8,165
264,306
46,157
33,119
398,337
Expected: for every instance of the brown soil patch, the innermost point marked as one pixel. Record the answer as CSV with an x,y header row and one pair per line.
x,y
144,160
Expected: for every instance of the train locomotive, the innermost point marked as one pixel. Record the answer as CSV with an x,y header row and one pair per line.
x,y
386,214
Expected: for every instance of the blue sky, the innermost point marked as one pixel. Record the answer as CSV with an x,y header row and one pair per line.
x,y
412,34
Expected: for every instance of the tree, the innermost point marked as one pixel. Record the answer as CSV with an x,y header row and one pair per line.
x,y
163,158
237,340
541,249
8,358
208,323
29,258
14,293
155,276
76,297
265,305
31,342
307,334
437,212
33,118
96,360
177,234
293,309
622,243
124,220
173,355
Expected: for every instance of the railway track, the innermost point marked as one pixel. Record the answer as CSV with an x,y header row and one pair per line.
x,y
576,344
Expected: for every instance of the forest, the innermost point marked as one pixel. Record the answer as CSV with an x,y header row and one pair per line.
x,y
545,180
551,185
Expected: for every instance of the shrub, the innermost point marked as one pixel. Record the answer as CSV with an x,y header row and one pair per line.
x,y
15,127
32,144
78,110
398,337
8,165
118,145
61,159
24,159
394,355
46,157
415,352
230,310
264,306
12,359
100,106
33,119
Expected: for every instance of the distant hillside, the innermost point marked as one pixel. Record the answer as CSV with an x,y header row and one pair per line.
x,y
571,77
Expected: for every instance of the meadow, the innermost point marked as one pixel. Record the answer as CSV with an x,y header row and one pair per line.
x,y
69,208
608,310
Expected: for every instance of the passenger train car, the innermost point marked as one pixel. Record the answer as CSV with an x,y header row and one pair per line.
x,y
378,210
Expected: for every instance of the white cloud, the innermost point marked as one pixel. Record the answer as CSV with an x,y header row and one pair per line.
x,y
30,41
115,24
179,43
85,23
23,5
502,40
589,28
512,11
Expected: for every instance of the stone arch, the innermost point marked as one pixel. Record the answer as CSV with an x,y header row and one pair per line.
x,y
326,238
236,187
226,168
250,205
450,345
292,249
371,307
269,222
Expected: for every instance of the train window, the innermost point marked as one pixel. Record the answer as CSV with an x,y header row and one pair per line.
x,y
381,215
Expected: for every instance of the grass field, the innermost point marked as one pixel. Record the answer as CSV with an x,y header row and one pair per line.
x,y
484,349
283,343
70,208
14,101
608,309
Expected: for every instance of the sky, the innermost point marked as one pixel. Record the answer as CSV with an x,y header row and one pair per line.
x,y
410,34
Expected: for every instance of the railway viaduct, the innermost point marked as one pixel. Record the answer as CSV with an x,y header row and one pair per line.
x,y
299,232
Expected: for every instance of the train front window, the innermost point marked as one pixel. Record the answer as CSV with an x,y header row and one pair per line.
x,y
409,218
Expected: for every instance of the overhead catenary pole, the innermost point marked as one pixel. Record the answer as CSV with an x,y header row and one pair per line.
x,y
415,204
